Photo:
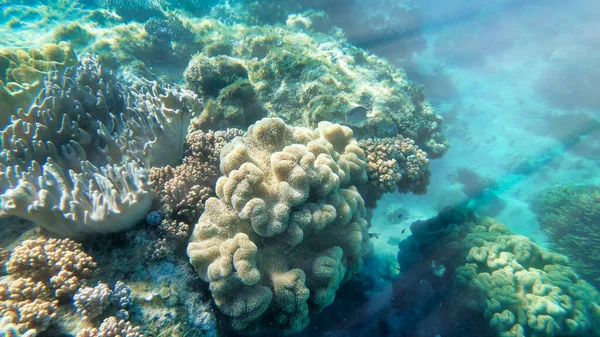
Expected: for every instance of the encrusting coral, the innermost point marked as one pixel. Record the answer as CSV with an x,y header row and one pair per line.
x,y
288,226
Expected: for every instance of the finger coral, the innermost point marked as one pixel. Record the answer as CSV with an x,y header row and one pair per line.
x,y
112,327
59,263
288,226
90,302
41,273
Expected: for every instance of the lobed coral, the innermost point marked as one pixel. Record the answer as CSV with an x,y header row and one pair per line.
x,y
528,291
493,280
288,226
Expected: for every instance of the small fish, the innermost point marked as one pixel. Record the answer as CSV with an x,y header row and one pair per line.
x,y
374,235
403,230
399,216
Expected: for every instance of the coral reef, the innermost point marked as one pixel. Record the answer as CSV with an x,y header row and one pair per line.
x,y
489,276
136,10
288,226
389,28
231,98
170,40
305,79
570,216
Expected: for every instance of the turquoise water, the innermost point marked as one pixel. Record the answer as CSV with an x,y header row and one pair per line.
x,y
315,168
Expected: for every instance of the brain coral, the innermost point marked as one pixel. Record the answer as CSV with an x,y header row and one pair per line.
x,y
288,226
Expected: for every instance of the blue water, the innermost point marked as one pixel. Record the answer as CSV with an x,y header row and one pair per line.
x,y
514,81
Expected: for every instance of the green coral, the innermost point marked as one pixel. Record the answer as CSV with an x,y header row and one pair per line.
x,y
570,216
525,290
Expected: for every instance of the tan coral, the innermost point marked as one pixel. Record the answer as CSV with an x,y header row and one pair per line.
x,y
287,227
60,263
395,164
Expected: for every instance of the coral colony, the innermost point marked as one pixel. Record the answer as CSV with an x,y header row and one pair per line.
x,y
200,168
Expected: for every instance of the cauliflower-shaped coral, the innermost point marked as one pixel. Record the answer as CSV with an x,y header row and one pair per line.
x,y
90,302
186,187
60,264
288,227
112,327
395,163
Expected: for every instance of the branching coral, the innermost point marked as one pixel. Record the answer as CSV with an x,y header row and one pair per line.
x,y
60,263
288,225
186,187
395,163
90,302
570,216
112,327
42,272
